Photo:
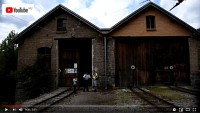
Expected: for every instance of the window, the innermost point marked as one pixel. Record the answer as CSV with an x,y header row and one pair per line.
x,y
61,24
44,54
150,22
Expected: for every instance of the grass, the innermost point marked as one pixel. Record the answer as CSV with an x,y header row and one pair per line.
x,y
120,98
166,93
123,97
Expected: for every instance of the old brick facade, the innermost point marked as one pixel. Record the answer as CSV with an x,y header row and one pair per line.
x,y
134,26
43,33
46,35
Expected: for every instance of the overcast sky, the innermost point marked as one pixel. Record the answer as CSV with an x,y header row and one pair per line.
x,y
102,13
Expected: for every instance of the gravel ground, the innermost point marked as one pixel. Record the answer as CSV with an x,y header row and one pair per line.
x,y
117,101
181,99
31,102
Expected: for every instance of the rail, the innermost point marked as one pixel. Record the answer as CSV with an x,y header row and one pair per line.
x,y
158,103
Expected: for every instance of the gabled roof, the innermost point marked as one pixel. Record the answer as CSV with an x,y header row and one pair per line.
x,y
198,29
107,30
35,24
151,4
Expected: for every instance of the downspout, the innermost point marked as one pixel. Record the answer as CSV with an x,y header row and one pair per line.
x,y
57,67
105,61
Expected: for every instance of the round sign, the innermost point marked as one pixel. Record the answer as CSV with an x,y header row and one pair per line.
x,y
132,67
171,67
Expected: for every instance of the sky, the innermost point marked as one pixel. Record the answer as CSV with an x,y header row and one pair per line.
x,y
102,13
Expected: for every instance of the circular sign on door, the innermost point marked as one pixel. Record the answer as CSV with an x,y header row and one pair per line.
x,y
171,67
132,67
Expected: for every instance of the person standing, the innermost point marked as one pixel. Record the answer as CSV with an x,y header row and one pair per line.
x,y
86,78
95,77
74,84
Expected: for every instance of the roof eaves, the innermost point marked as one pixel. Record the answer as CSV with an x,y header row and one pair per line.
x,y
80,18
105,31
129,16
159,8
175,18
34,24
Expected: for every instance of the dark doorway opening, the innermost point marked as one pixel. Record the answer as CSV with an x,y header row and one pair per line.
x,y
75,59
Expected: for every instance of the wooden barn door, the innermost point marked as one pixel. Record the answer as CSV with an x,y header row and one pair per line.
x,y
149,61
171,61
74,60
133,62
69,66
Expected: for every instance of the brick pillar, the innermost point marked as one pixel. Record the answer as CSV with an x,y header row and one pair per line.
x,y
111,61
193,54
98,60
98,55
55,62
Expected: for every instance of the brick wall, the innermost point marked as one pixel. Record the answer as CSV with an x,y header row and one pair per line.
x,y
193,54
98,55
165,26
47,36
111,60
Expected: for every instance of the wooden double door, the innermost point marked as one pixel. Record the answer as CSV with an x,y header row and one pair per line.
x,y
149,61
74,61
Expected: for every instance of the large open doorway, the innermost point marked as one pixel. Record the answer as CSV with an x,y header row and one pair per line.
x,y
150,61
75,59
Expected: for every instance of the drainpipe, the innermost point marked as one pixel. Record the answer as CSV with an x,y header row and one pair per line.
x,y
57,65
105,61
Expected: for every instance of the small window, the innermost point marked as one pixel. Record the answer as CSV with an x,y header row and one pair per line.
x,y
61,24
150,22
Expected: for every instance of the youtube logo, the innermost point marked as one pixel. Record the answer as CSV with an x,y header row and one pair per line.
x,y
17,9
9,9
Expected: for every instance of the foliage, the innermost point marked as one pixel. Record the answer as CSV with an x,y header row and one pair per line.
x,y
8,55
35,79
8,64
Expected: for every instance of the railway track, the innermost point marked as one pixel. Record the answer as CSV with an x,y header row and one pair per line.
x,y
185,90
48,102
157,104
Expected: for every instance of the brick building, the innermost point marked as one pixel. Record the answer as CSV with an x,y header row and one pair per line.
x,y
150,46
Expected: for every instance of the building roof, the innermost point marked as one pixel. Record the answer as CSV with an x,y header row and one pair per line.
x,y
151,4
42,19
198,29
106,30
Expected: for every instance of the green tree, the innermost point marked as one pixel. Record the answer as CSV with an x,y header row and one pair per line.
x,y
8,64
8,55
35,79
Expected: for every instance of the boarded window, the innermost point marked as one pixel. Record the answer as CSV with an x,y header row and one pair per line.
x,y
150,22
44,53
61,24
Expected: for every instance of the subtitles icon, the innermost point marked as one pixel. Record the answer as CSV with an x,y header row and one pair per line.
x,y
180,109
